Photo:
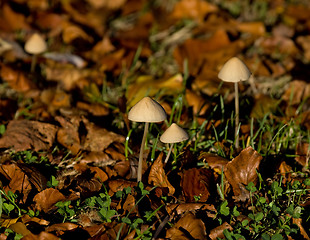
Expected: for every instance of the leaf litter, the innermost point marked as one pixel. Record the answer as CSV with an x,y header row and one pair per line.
x,y
69,159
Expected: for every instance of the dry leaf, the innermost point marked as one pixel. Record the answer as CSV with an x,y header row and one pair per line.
x,y
46,199
11,20
303,153
157,175
119,185
187,207
217,232
303,232
61,227
16,79
25,134
242,170
216,162
188,225
197,183
18,181
20,228
193,9
41,236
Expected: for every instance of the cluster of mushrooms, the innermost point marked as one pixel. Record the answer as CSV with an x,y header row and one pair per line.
x,y
148,110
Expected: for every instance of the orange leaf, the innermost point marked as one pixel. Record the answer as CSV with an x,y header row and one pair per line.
x,y
192,226
197,183
46,199
157,175
242,170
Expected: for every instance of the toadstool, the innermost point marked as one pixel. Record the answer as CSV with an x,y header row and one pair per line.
x,y
35,45
173,134
146,110
234,70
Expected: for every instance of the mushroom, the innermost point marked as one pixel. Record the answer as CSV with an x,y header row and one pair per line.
x,y
173,134
146,110
35,45
234,70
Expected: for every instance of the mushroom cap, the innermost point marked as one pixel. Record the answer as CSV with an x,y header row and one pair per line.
x,y
147,110
35,44
174,134
234,70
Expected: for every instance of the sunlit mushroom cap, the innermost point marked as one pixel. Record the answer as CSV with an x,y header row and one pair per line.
x,y
234,70
147,110
35,44
174,134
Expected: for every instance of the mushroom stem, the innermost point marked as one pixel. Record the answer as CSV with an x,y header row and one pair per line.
x,y
33,62
146,129
169,152
237,116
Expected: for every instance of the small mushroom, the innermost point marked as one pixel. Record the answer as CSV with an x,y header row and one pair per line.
x,y
146,110
173,134
234,70
35,45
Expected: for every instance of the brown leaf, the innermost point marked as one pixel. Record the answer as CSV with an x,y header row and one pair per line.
x,y
255,28
98,139
41,236
16,79
186,207
95,109
215,162
60,227
193,9
119,185
25,134
217,232
46,199
157,175
197,183
303,232
68,134
303,153
20,228
18,181
11,20
194,228
242,170
72,32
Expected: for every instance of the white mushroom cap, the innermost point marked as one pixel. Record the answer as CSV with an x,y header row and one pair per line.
x,y
234,70
35,44
174,134
147,110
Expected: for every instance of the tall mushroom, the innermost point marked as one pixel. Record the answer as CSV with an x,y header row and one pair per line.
x,y
173,134
146,110
35,45
234,70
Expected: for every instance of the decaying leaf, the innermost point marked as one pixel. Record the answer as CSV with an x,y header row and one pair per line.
x,y
303,232
18,181
25,134
46,199
188,227
186,207
197,184
216,162
303,154
16,79
157,175
217,232
242,170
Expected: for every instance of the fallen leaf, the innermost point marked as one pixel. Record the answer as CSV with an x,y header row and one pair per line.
x,y
20,228
95,109
241,170
12,21
196,184
187,226
303,154
193,9
25,134
46,199
303,232
119,185
61,227
18,181
217,232
190,207
16,79
157,175
215,162
40,236
72,32
255,28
